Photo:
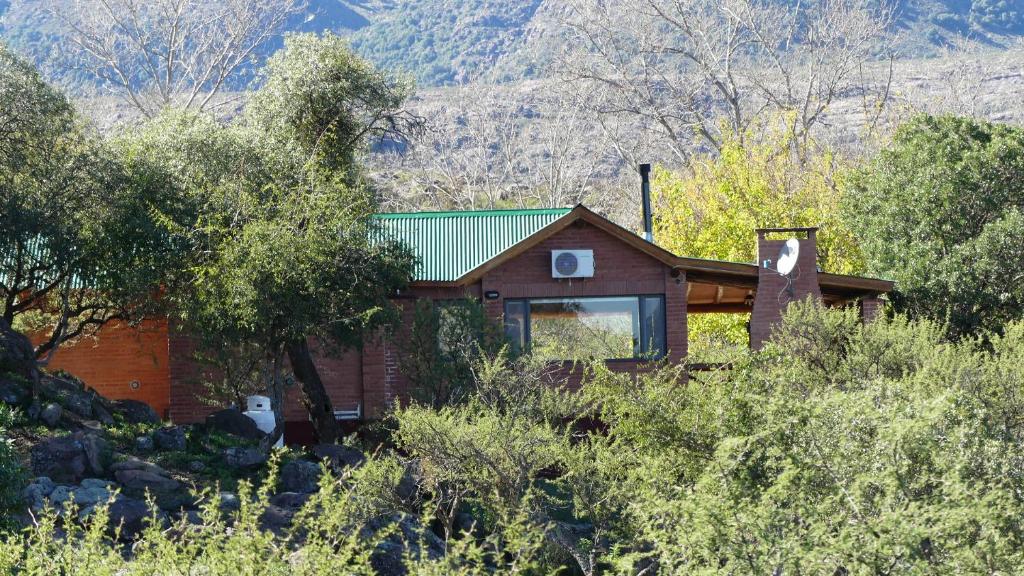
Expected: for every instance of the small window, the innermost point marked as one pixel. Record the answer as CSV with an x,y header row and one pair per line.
x,y
617,327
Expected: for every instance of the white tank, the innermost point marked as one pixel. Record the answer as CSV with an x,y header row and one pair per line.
x,y
261,413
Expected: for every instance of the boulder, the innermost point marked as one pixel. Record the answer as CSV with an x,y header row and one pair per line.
x,y
280,511
145,444
243,457
135,412
97,452
102,412
17,355
51,415
61,459
140,481
196,466
290,500
232,421
300,476
70,394
130,516
408,489
168,492
60,495
37,491
338,456
408,538
12,391
229,502
170,438
133,463
86,496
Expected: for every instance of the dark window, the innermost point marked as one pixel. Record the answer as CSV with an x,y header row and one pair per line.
x,y
608,327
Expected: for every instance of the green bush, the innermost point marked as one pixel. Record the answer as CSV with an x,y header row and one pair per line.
x,y
12,475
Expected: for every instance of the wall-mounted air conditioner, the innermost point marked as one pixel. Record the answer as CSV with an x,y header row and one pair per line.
x,y
572,263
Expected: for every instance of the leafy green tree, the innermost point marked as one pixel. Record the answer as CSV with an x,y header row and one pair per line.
x,y
276,216
765,179
78,247
940,212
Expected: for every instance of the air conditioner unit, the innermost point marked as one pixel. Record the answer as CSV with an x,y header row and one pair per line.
x,y
572,263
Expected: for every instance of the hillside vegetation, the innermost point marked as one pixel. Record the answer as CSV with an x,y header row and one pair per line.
x,y
441,42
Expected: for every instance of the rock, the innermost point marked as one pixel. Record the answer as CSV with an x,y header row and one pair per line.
x,y
133,463
51,415
89,496
232,421
229,502
62,459
145,444
408,489
97,452
13,392
17,356
135,412
281,510
276,519
139,481
168,492
577,540
338,457
196,466
70,394
130,516
300,476
102,413
170,438
60,495
97,483
243,457
408,538
36,493
290,500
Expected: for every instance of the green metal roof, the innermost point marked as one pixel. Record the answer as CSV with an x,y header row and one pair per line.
x,y
447,245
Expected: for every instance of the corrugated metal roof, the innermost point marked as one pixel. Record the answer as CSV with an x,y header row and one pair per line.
x,y
447,245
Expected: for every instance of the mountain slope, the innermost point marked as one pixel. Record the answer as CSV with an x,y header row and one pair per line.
x,y
443,42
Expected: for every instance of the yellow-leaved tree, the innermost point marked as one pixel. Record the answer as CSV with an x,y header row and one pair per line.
x,y
711,208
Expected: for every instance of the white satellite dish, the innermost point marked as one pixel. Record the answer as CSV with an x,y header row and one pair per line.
x,y
787,256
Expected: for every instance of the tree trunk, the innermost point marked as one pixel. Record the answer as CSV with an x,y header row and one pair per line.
x,y
276,391
315,397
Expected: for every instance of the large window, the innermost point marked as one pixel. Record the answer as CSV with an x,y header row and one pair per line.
x,y
617,327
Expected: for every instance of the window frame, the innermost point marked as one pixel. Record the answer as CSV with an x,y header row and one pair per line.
x,y
641,307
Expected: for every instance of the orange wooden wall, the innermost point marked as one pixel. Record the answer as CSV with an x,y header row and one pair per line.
x,y
119,355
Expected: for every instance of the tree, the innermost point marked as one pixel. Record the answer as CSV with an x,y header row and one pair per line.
x,y
277,217
494,146
710,209
939,212
77,246
164,53
692,72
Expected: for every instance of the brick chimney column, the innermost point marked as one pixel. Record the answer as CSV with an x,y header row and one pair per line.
x,y
774,292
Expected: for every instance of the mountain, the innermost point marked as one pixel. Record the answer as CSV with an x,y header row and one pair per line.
x,y
445,42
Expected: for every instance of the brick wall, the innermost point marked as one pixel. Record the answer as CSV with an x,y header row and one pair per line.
x,y
118,356
773,296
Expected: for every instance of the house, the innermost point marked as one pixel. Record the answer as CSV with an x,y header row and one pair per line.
x,y
558,279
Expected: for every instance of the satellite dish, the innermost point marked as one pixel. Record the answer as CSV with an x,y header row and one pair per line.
x,y
787,256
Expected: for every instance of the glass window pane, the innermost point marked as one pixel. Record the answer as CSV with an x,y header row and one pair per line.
x,y
572,329
515,324
654,327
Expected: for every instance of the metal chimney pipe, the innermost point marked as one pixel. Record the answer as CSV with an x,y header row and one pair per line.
x,y
645,192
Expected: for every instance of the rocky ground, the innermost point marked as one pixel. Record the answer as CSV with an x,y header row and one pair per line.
x,y
82,450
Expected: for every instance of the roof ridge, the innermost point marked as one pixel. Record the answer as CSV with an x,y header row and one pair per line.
x,y
472,213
